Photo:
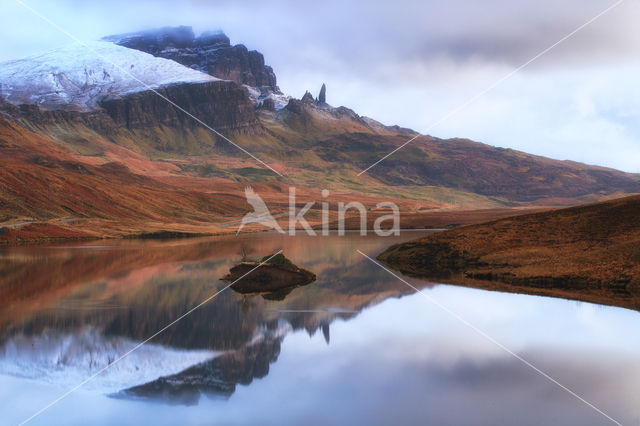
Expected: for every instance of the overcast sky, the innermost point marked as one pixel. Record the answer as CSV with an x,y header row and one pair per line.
x,y
412,62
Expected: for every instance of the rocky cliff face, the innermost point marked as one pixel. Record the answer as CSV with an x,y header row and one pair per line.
x,y
222,105
150,121
211,53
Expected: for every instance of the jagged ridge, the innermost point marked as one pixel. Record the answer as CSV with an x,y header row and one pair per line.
x,y
211,53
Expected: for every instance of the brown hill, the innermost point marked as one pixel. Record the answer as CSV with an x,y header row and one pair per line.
x,y
590,253
50,191
42,181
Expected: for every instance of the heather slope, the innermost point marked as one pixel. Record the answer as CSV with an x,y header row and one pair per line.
x,y
40,181
589,252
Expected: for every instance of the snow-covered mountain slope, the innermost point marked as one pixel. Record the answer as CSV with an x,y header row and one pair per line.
x,y
78,76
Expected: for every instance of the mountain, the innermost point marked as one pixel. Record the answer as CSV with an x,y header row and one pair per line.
x,y
589,252
112,91
132,108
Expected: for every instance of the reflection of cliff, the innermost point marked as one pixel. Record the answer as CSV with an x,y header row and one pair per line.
x,y
225,323
216,377
135,290
33,279
325,333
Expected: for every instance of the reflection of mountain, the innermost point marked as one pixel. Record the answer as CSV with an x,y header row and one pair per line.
x,y
127,293
146,284
216,377
68,357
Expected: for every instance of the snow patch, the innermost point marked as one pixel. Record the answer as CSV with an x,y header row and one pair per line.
x,y
258,95
80,75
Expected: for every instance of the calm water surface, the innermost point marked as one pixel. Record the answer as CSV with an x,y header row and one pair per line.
x,y
355,347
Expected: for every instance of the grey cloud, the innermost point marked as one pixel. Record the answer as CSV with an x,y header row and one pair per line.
x,y
360,33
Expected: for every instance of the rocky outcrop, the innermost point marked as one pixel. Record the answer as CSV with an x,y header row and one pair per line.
x,y
274,274
322,97
308,98
211,53
268,105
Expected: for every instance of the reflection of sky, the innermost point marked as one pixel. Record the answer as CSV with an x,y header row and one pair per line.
x,y
405,358
407,362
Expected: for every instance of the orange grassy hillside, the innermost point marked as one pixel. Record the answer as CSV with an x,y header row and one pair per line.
x,y
40,181
589,252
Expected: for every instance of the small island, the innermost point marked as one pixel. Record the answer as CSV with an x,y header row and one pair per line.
x,y
278,275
